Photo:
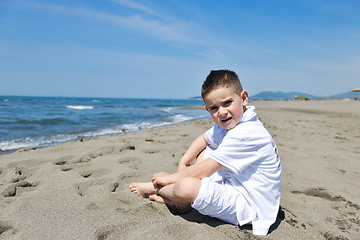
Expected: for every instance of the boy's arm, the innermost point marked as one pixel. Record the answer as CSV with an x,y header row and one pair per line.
x,y
193,151
199,170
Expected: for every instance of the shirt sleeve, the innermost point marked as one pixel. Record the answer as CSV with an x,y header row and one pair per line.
x,y
210,137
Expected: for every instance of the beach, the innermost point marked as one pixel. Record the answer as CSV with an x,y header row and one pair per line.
x,y
79,190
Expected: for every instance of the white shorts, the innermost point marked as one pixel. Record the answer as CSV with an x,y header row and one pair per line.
x,y
222,201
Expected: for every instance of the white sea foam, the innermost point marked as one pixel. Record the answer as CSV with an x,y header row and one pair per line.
x,y
167,110
41,142
178,118
10,145
37,142
79,107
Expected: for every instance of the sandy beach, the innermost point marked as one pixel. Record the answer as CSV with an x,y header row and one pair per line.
x,y
79,190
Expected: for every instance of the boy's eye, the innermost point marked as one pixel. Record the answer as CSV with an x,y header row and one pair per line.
x,y
213,109
227,103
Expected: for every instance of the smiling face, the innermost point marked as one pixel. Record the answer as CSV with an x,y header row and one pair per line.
x,y
225,106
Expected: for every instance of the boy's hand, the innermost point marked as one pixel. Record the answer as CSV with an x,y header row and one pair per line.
x,y
160,179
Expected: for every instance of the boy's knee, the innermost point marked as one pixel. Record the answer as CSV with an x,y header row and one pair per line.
x,y
187,189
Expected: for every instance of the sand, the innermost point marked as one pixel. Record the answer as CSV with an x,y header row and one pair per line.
x,y
79,190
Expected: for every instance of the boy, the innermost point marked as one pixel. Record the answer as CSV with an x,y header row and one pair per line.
x,y
237,174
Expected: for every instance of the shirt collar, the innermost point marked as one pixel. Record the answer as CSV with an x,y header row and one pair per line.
x,y
249,114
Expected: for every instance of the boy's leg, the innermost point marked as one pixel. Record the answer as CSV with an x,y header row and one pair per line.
x,y
183,192
147,190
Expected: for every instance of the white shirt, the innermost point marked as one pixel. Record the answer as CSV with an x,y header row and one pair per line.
x,y
251,165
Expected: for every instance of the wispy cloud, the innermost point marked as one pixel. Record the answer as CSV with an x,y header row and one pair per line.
x,y
164,29
141,7
152,22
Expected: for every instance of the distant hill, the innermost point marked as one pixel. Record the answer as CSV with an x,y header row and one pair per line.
x,y
351,95
267,95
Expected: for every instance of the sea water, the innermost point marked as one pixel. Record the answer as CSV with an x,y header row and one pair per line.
x,y
44,121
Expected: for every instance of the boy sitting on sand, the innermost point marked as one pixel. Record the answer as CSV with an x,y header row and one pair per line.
x,y
237,175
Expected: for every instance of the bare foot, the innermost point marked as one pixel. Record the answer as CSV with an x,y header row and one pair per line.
x,y
159,199
143,189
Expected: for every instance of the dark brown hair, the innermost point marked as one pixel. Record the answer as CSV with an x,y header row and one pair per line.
x,y
221,78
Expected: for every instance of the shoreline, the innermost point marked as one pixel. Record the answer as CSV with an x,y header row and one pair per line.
x,y
82,138
48,193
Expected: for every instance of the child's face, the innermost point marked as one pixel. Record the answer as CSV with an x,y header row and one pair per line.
x,y
225,106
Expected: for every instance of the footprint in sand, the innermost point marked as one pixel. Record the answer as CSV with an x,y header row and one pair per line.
x,y
64,163
71,159
86,174
107,188
151,151
128,176
291,218
131,162
128,160
125,147
155,141
17,182
67,163
17,188
125,203
347,210
19,174
94,173
113,187
105,232
83,187
6,230
125,179
63,160
66,168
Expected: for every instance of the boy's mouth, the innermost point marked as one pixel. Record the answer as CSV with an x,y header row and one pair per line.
x,y
226,119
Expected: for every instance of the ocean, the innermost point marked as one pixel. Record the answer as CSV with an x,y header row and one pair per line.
x,y
39,122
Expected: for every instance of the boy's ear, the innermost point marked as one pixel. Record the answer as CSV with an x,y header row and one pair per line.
x,y
207,108
245,97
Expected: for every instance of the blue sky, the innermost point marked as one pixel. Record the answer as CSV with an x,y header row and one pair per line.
x,y
165,49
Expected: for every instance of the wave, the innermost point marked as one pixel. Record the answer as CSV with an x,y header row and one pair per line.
x,y
79,107
168,110
34,142
40,142
178,118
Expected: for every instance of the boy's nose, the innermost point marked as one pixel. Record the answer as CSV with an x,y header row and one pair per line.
x,y
222,111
